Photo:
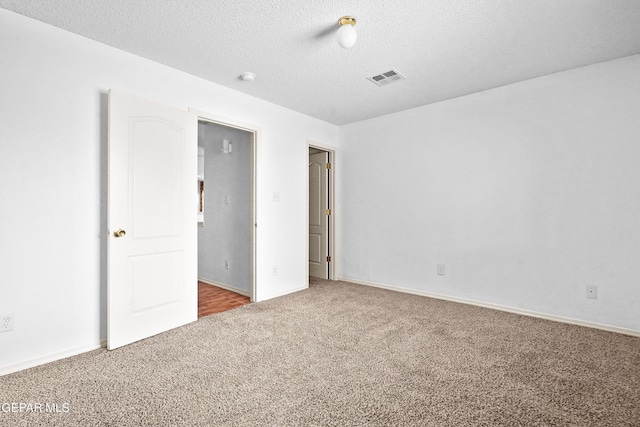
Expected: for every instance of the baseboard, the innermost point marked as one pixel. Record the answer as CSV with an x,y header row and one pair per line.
x,y
5,370
227,287
508,309
283,293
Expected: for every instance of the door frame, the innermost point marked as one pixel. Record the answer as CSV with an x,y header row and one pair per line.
x,y
331,188
255,131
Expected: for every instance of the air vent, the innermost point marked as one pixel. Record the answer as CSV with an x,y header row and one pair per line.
x,y
387,77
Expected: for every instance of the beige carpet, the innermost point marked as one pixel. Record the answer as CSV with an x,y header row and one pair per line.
x,y
340,354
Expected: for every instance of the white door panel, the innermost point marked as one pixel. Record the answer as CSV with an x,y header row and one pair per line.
x,y
158,185
152,273
315,249
156,280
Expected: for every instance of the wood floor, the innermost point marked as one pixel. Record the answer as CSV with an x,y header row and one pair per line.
x,y
212,299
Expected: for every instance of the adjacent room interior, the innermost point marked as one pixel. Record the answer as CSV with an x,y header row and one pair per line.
x,y
225,265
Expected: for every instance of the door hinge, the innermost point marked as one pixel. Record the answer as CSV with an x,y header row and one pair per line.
x,y
328,165
328,211
328,259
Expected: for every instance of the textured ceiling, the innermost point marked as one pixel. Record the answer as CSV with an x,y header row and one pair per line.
x,y
445,48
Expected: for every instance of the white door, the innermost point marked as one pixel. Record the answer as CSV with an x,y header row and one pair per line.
x,y
318,210
152,243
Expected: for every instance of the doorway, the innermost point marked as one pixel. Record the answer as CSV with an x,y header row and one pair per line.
x,y
225,216
152,250
321,215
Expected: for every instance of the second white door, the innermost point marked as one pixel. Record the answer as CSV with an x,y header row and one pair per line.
x,y
318,215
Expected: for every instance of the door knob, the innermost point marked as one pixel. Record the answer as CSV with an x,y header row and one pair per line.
x,y
119,232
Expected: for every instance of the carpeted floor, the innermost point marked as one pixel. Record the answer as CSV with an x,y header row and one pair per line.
x,y
340,354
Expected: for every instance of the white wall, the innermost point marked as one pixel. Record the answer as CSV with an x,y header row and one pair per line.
x,y
53,143
527,193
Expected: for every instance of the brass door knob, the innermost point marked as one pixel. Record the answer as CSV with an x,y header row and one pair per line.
x,y
119,232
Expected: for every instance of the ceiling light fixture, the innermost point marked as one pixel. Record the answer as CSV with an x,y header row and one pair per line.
x,y
346,33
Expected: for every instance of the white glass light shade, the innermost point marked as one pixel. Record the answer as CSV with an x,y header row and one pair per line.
x,y
347,36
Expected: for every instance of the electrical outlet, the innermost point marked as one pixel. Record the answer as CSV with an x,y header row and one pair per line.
x,y
274,270
440,269
226,264
6,322
592,292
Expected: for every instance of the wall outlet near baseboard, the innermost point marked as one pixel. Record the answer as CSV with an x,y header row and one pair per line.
x,y
6,322
440,269
592,292
226,264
